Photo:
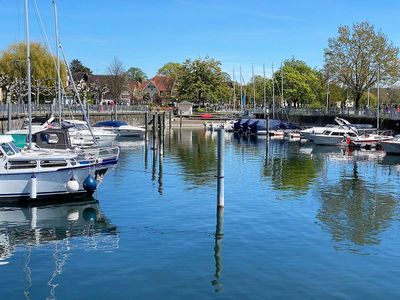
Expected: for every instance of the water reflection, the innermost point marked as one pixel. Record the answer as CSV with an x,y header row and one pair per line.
x,y
352,209
56,226
219,233
289,167
195,151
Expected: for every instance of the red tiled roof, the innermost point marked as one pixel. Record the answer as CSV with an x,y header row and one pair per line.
x,y
161,82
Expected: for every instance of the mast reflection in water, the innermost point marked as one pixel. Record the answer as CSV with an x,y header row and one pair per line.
x,y
56,226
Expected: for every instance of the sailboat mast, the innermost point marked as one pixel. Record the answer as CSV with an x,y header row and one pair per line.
x,y
327,94
282,100
254,88
28,76
241,88
234,90
378,97
58,61
265,90
273,92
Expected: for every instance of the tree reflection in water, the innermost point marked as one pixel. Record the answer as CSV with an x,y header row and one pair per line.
x,y
293,171
352,211
196,153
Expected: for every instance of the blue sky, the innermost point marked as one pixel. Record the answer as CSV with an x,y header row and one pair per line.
x,y
147,34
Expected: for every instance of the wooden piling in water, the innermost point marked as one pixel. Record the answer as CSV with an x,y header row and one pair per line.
x,y
161,135
154,131
146,126
180,119
9,116
170,120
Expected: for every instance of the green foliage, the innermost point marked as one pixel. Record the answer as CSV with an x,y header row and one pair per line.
x,y
356,56
77,67
293,173
136,74
203,80
302,84
171,69
13,64
258,86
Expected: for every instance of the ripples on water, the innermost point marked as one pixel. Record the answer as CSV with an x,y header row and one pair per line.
x,y
300,221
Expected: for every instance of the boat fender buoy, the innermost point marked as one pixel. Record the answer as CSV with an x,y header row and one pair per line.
x,y
90,184
72,185
33,193
348,140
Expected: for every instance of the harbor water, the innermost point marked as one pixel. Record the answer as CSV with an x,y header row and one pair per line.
x,y
300,222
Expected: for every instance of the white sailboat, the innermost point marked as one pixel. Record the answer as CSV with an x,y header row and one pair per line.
x,y
33,173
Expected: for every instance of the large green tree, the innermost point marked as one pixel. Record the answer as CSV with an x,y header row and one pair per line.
x,y
13,63
171,69
13,70
357,55
301,83
136,74
256,84
203,80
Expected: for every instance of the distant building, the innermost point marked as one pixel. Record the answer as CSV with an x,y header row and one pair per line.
x,y
156,89
159,85
186,108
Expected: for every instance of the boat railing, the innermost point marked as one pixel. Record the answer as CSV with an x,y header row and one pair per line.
x,y
98,154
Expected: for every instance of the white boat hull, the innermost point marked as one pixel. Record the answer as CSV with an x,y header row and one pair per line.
x,y
391,147
48,183
326,140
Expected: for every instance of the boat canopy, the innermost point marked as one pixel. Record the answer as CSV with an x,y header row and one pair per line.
x,y
110,124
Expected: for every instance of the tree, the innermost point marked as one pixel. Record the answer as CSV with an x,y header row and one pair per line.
x,y
117,78
43,69
259,88
202,79
136,74
171,69
356,56
77,67
301,83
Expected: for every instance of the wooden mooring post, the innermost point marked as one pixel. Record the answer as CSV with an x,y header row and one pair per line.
x,y
9,116
146,126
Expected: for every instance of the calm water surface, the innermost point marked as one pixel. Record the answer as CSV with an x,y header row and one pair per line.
x,y
300,222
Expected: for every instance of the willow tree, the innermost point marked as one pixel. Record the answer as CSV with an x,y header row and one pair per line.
x,y
43,70
358,55
13,63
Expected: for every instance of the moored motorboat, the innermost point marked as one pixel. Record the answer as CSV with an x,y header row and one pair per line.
x,y
333,136
392,146
121,128
82,136
367,140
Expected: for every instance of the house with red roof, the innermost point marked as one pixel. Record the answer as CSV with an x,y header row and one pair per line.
x,y
160,86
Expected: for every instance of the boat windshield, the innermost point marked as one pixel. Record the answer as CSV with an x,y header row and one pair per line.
x,y
15,148
8,149
81,126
